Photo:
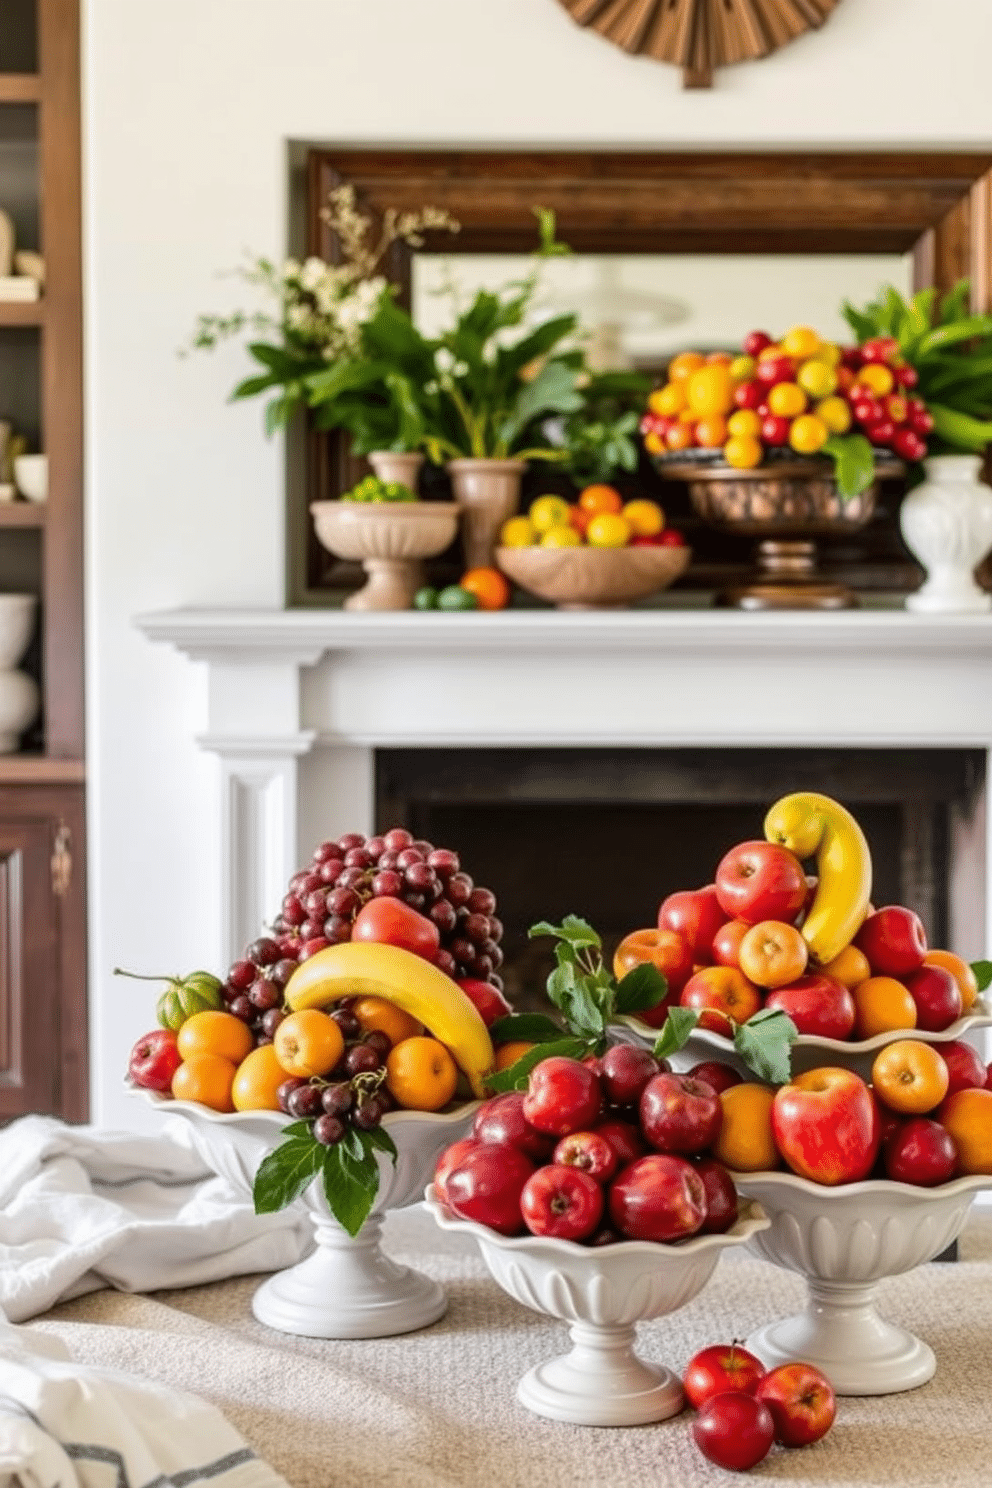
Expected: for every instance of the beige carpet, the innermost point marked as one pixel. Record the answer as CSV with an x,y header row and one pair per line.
x,y
437,1409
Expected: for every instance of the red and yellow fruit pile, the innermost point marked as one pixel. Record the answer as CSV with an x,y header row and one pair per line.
x,y
767,935
595,1151
793,393
600,518
925,1118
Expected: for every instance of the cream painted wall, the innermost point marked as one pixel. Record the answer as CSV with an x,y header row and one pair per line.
x,y
189,107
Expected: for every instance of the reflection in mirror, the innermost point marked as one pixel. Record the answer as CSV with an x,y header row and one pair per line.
x,y
637,311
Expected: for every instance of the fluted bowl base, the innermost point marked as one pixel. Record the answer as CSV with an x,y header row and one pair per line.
x,y
858,1351
601,1382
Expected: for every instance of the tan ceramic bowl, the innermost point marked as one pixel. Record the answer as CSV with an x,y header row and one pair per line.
x,y
389,539
593,578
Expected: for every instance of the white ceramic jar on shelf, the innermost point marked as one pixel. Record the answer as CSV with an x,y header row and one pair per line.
x,y
19,695
947,524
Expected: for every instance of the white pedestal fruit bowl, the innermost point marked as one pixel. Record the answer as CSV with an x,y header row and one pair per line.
x,y
602,1292
346,1288
844,1240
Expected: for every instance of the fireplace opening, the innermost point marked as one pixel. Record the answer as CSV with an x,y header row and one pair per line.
x,y
608,833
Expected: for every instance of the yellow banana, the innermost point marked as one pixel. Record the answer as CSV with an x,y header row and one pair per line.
x,y
806,823
365,969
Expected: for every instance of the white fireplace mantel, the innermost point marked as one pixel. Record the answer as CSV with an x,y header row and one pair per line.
x,y
298,700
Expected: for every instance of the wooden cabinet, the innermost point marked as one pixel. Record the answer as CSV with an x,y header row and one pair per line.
x,y
42,786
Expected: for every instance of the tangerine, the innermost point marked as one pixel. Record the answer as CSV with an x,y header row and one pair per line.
x,y
518,532
507,1054
257,1079
743,451
849,967
669,400
745,1141
711,431
489,586
711,390
910,1077
967,1115
786,400
808,433
214,1032
881,1004
608,530
744,421
835,413
376,1015
598,499
645,518
680,437
800,342
421,1074
207,1079
308,1043
684,364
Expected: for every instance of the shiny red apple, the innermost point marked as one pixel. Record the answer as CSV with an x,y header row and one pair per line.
x,y
965,1069
561,1201
802,1403
488,1000
734,1430
562,1096
826,1125
817,1004
658,1197
501,1120
920,1151
721,1367
937,997
695,915
760,881
486,1187
680,1115
894,940
722,1207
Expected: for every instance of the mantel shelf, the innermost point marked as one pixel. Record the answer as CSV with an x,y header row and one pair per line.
x,y
20,87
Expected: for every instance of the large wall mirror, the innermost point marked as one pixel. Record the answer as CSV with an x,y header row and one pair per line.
x,y
669,251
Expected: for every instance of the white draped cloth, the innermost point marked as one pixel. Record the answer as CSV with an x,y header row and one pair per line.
x,y
80,1209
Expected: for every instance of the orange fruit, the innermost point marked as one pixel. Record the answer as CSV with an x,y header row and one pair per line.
x,y
375,1014
563,536
800,342
960,971
680,437
421,1075
910,1077
816,378
967,1115
711,390
608,530
772,954
835,413
308,1043
547,511
597,499
879,379
257,1080
744,421
206,1078
645,518
685,363
786,400
745,1141
668,400
849,967
808,434
214,1032
489,586
518,532
743,451
654,443
711,431
507,1054
881,1004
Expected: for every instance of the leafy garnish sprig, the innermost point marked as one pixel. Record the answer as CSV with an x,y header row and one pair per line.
x,y
590,1000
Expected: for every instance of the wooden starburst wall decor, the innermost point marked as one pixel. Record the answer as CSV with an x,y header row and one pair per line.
x,y
700,35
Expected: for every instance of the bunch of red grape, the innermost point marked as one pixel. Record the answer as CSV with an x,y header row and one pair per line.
x,y
324,898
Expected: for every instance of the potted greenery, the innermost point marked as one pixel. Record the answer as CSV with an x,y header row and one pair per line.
x,y
947,520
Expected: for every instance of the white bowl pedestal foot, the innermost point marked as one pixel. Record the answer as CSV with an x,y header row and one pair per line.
x,y
348,1289
601,1382
842,1333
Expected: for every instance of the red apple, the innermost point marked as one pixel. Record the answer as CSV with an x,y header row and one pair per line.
x,y
894,941
486,1187
658,1197
448,1161
591,1152
826,1126
489,1001
671,537
920,1151
154,1060
755,342
727,940
965,1069
801,1401
680,1115
625,1070
817,1004
562,1202
660,948
625,1139
695,915
721,1367
760,881
723,996
715,1073
734,1430
721,1196
563,1095
389,921
501,1121
937,997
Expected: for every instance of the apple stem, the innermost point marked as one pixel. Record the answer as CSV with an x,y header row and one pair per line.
x,y
137,976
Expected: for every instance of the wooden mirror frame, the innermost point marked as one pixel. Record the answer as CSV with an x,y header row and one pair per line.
x,y
936,206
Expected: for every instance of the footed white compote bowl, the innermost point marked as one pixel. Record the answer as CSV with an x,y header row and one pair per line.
x,y
844,1241
602,1292
346,1288
810,1051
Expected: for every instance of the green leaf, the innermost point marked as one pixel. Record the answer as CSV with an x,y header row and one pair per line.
x,y
551,391
765,1042
959,429
515,1077
584,1012
560,983
547,227
284,1173
983,974
351,1180
862,322
532,1028
854,462
252,386
961,330
954,305
382,1141
675,1031
577,932
642,988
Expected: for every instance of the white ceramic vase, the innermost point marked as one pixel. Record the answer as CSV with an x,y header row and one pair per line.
x,y
947,524
19,695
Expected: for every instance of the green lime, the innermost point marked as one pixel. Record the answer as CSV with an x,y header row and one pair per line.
x,y
425,599
456,598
